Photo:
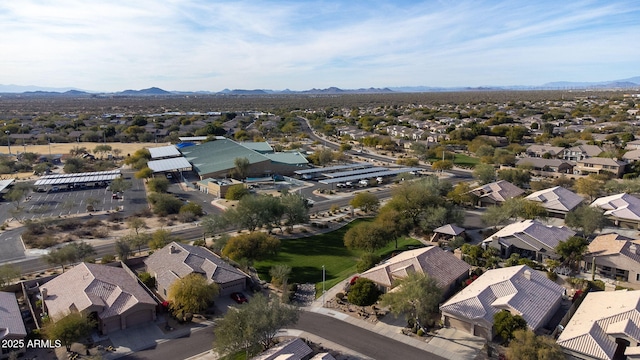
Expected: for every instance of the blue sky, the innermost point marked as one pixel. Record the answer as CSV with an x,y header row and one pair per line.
x,y
299,44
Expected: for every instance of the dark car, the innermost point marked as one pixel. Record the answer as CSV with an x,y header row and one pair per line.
x,y
239,297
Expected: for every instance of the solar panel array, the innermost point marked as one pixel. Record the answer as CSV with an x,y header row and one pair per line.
x,y
77,179
368,176
332,168
356,172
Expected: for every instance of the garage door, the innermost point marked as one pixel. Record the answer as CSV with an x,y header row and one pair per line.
x,y
110,325
482,332
139,317
229,288
458,324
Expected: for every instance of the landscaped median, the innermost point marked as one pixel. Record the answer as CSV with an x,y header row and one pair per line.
x,y
306,256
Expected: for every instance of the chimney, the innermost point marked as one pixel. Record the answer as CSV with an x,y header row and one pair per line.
x,y
172,249
633,248
527,274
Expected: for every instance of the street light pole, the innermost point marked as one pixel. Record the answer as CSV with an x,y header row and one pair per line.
x,y
8,141
323,291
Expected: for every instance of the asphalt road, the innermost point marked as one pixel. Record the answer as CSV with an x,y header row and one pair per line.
x,y
358,339
181,348
353,337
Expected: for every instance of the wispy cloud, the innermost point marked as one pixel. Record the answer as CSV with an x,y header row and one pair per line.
x,y
210,45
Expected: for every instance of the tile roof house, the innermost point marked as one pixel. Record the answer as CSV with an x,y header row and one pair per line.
x,y
112,293
292,349
623,209
580,152
615,257
540,151
598,165
606,326
632,155
441,265
11,324
529,238
496,192
546,165
556,200
175,261
517,289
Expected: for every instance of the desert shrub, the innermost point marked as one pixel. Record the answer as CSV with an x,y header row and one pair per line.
x,y
147,279
92,223
69,224
363,293
551,275
107,259
235,192
340,296
99,233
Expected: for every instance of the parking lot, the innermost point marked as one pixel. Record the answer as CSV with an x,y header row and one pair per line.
x,y
62,201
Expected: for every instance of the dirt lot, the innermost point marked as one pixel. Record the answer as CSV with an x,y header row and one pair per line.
x,y
59,148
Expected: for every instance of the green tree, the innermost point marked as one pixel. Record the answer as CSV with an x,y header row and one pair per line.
x,y
252,246
367,261
586,218
160,238
236,192
518,177
484,173
69,329
123,249
193,208
255,323
442,165
363,293
71,253
101,149
8,273
191,294
136,223
241,169
164,204
417,295
366,236
572,250
365,201
296,209
526,345
280,275
589,186
159,185
120,185
461,194
18,192
506,324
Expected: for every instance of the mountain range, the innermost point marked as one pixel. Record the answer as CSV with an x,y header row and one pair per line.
x,y
630,83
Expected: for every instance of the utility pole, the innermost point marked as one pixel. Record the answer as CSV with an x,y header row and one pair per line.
x,y
323,291
8,141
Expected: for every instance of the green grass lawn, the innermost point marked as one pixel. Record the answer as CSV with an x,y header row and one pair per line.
x,y
461,160
465,161
306,256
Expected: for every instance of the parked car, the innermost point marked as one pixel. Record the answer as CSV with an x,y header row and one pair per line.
x,y
239,298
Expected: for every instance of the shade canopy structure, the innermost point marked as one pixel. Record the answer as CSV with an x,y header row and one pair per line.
x,y
449,229
172,164
164,152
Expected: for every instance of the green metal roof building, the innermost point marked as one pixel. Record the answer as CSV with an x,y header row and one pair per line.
x,y
217,158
